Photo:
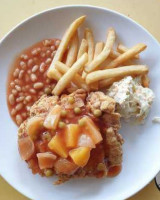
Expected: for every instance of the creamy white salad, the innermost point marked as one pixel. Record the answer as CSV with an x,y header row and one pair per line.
x,y
133,100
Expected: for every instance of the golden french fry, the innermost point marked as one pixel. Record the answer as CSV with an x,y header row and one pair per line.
x,y
90,42
126,56
55,74
77,78
117,72
69,75
107,82
73,50
114,54
64,42
98,49
104,54
82,48
145,80
84,74
122,49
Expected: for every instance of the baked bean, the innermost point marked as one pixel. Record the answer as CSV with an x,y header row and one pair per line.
x,y
16,73
42,67
43,54
21,94
47,43
24,56
32,91
35,67
38,85
28,108
23,65
18,88
11,99
19,106
13,112
30,62
48,61
57,42
53,54
14,92
53,48
12,84
18,119
48,53
24,115
19,99
21,73
29,71
34,52
41,93
39,49
28,98
48,80
33,77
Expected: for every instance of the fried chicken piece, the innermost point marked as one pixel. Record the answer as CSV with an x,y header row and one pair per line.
x,y
43,105
79,99
98,100
113,147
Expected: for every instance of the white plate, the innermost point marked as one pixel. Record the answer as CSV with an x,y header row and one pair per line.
x,y
142,143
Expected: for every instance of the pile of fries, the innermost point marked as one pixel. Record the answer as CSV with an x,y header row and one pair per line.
x,y
93,66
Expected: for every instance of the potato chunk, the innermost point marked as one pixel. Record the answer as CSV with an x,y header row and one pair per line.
x,y
57,145
80,155
53,117
34,125
72,133
92,130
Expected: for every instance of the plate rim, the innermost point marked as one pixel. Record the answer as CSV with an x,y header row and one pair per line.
x,y
135,190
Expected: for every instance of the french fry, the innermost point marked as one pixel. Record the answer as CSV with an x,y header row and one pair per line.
x,y
126,56
84,74
55,74
73,50
64,42
90,41
82,48
107,82
104,54
77,78
98,48
114,54
122,49
145,81
69,75
117,72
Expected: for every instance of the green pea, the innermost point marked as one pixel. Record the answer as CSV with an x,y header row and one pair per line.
x,y
71,100
81,122
63,113
77,110
47,91
48,172
61,124
97,113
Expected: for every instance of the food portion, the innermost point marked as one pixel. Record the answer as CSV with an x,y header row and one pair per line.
x,y
28,79
68,96
72,136
133,100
